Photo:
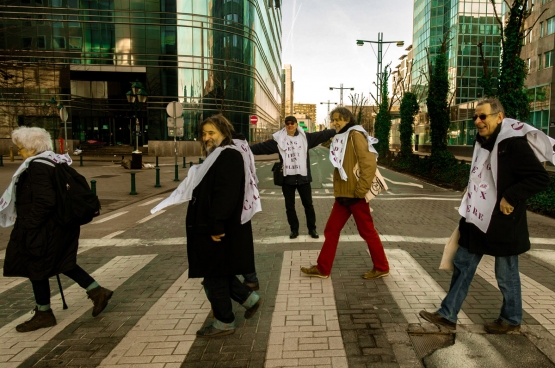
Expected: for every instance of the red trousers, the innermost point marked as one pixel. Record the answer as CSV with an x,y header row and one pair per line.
x,y
365,225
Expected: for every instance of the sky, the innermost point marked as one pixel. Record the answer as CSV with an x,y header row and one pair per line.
x,y
319,41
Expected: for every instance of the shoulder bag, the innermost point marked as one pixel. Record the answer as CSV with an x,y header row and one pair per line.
x,y
278,173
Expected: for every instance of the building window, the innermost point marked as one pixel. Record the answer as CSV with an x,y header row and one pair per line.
x,y
528,64
550,26
539,61
75,43
41,42
542,29
26,42
59,43
548,59
57,3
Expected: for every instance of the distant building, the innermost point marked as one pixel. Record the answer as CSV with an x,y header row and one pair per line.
x,y
307,109
306,123
289,90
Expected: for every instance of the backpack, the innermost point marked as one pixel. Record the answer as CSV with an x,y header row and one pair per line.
x,y
76,204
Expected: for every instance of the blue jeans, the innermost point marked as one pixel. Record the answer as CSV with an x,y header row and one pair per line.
x,y
508,280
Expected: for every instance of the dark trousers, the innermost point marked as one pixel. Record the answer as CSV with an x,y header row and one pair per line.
x,y
305,192
41,288
220,291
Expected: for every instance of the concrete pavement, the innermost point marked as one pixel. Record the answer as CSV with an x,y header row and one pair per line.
x,y
304,322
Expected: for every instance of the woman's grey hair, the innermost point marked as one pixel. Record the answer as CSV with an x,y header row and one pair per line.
x,y
34,138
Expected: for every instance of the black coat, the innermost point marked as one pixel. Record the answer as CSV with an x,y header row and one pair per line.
x,y
520,175
216,209
39,247
313,139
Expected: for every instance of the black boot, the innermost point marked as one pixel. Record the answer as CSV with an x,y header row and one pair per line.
x,y
41,319
99,297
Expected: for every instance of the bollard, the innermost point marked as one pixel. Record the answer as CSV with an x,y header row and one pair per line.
x,y
156,161
133,192
157,178
93,187
1,161
184,163
11,154
176,173
80,160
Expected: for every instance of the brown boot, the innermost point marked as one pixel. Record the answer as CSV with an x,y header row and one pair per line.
x,y
41,319
99,297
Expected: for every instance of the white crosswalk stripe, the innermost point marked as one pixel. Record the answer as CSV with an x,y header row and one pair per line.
x,y
305,327
17,347
183,308
413,288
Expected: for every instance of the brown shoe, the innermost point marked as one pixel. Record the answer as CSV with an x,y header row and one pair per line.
x,y
500,327
375,274
253,285
41,319
99,297
437,319
249,313
313,271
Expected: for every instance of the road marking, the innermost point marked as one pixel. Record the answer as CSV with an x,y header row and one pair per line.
x,y
327,191
262,191
458,199
113,235
329,185
272,192
316,192
413,288
150,217
268,179
537,300
153,339
150,202
118,214
407,184
17,347
305,327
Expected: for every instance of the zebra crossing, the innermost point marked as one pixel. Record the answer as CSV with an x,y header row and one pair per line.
x,y
305,328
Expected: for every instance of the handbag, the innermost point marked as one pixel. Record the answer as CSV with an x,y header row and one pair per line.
x,y
278,173
378,183
449,251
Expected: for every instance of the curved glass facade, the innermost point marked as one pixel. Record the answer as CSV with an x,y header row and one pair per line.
x,y
211,55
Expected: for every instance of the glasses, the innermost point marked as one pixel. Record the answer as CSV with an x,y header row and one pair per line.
x,y
483,116
289,123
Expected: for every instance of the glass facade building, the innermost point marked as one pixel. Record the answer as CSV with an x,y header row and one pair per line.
x,y
464,24
211,55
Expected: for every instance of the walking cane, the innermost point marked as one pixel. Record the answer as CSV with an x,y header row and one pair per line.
x,y
61,292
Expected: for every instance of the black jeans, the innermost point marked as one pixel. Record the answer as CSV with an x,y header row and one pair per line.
x,y
305,192
41,288
220,290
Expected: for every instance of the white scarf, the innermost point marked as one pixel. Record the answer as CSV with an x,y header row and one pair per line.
x,y
251,200
7,201
478,204
339,145
293,151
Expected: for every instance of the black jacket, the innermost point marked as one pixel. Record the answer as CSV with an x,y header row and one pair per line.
x,y
39,247
313,139
216,209
520,175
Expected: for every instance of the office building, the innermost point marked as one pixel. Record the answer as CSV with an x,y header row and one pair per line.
x,y
213,56
306,109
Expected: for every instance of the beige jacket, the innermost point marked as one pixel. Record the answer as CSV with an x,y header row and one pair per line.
x,y
366,162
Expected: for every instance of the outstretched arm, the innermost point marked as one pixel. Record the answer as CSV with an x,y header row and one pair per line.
x,y
265,148
316,138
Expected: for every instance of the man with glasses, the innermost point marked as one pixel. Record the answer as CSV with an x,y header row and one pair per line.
x,y
292,144
504,173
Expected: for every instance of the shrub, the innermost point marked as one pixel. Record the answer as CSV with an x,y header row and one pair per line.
x,y
544,202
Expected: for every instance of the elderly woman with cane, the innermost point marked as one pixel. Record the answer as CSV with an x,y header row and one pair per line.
x,y
39,246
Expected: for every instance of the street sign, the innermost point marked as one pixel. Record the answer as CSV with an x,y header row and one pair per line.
x,y
174,109
254,119
179,132
63,114
175,123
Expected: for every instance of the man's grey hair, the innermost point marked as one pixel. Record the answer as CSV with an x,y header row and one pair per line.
x,y
495,104
33,139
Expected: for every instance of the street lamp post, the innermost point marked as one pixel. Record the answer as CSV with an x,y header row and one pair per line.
x,y
380,43
328,103
341,92
136,96
62,112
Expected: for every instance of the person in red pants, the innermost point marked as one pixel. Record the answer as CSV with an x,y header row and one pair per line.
x,y
351,145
